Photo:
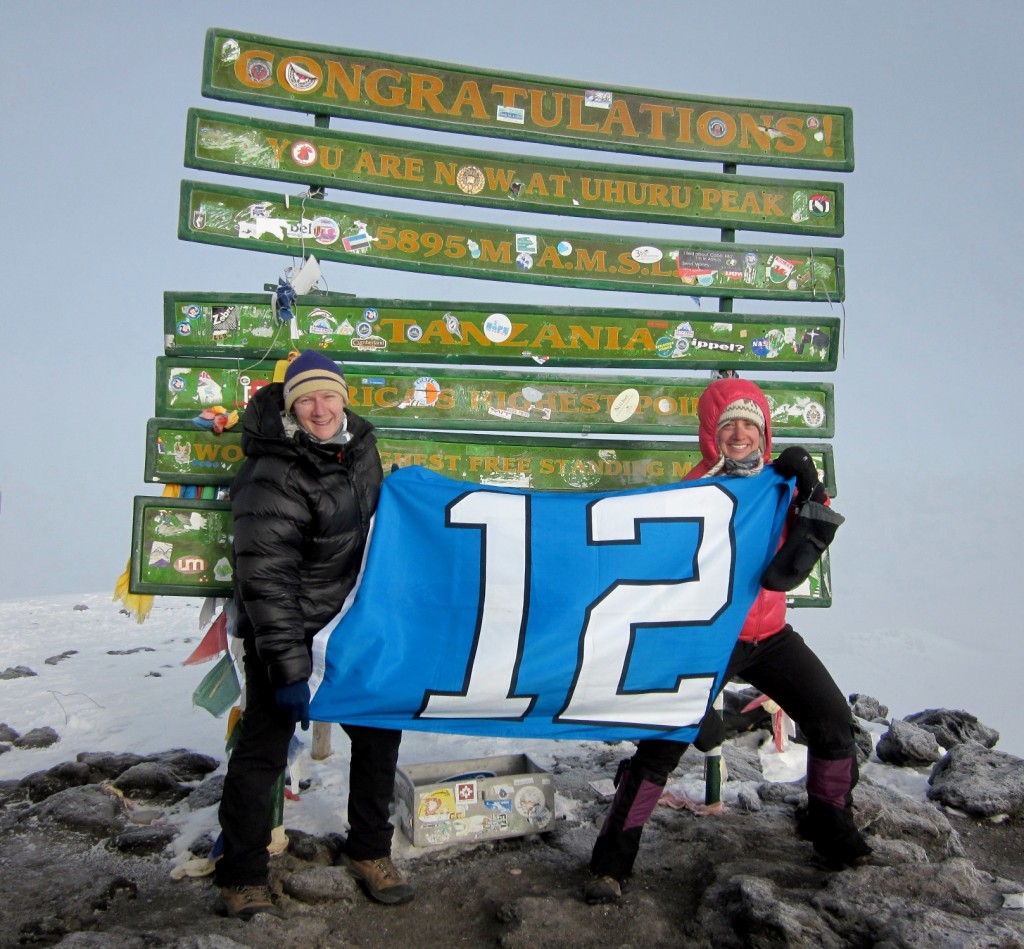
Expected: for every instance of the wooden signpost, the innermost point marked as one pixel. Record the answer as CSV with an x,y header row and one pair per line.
x,y
238,145
515,336
260,220
376,87
543,397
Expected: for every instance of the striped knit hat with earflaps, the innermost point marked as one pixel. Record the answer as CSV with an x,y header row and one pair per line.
x,y
310,372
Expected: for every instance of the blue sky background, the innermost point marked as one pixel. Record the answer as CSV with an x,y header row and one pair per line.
x,y
929,444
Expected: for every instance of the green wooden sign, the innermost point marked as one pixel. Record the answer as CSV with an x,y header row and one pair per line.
x,y
239,145
256,220
480,400
376,87
374,330
183,548
179,453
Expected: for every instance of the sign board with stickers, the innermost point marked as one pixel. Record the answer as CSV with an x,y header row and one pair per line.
x,y
179,453
377,87
258,220
319,157
181,547
481,400
347,329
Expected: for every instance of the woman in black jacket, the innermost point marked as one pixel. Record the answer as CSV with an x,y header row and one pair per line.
x,y
301,505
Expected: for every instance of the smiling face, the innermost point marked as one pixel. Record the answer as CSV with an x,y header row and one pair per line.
x,y
320,413
739,439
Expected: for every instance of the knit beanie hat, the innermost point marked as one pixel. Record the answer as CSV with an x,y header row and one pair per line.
x,y
749,410
310,372
746,409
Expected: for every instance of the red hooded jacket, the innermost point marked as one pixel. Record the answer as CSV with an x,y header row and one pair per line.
x,y
768,614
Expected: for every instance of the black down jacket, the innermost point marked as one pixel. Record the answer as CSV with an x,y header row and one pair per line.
x,y
301,515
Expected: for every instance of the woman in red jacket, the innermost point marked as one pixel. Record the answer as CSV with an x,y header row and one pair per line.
x,y
735,440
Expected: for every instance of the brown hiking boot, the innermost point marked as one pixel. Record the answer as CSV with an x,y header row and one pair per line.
x,y
244,902
380,879
602,889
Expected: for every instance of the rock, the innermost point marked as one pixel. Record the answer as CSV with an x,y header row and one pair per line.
x,y
913,906
869,708
187,765
7,733
53,660
756,911
314,849
151,781
37,738
882,811
94,810
142,840
79,607
109,764
320,884
865,742
18,672
953,728
70,774
208,793
907,745
979,781
742,764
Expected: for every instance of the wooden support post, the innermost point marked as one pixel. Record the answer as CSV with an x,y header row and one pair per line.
x,y
321,741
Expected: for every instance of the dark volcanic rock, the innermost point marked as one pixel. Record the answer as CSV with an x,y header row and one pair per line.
x,y
94,810
17,672
979,781
907,745
953,728
151,781
37,738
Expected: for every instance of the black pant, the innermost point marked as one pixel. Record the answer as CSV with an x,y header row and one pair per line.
x,y
258,760
784,668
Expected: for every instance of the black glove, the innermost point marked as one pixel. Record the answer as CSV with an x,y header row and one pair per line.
x,y
794,462
293,699
811,532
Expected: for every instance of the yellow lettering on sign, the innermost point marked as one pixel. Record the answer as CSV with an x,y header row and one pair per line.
x,y
499,179
576,123
338,78
391,95
619,118
469,96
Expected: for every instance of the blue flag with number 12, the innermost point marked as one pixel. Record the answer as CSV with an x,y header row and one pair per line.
x,y
498,611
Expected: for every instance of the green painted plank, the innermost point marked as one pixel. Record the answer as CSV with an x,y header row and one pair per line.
x,y
481,400
179,453
257,220
373,330
239,145
379,87
183,548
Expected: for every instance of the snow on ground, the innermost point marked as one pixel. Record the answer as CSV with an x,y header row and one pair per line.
x,y
121,687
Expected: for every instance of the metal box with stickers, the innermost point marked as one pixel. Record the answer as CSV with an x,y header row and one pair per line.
x,y
450,802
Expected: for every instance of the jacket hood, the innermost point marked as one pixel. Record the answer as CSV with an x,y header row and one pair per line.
x,y
713,401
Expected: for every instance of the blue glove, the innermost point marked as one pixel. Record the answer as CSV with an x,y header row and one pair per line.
x,y
293,699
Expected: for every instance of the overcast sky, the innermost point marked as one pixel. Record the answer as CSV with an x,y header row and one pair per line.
x,y
928,444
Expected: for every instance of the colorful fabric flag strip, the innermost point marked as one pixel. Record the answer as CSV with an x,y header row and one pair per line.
x,y
485,610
